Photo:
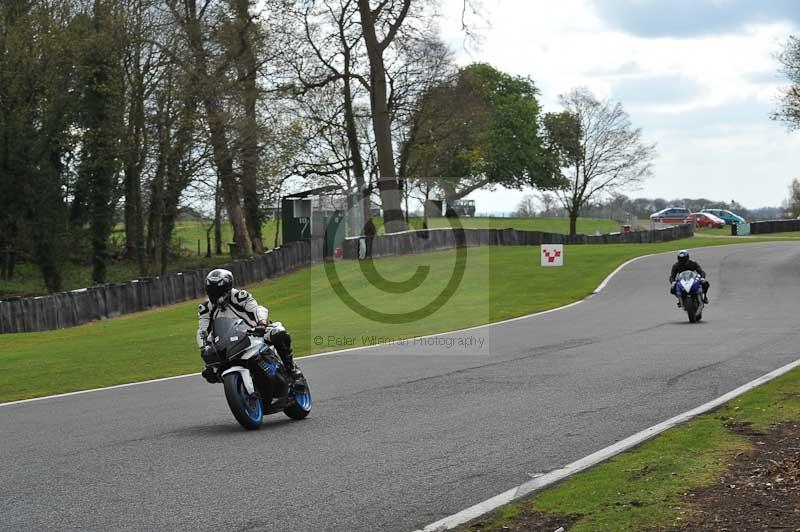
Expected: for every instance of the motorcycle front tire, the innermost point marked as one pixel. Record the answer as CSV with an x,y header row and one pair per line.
x,y
246,408
690,308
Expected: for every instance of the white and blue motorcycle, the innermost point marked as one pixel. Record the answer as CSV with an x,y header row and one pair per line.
x,y
255,380
689,289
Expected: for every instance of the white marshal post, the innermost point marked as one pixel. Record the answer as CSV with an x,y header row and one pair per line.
x,y
552,254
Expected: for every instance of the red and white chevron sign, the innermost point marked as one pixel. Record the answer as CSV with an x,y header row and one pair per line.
x,y
552,254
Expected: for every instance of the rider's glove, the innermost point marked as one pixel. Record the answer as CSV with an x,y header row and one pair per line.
x,y
209,375
260,331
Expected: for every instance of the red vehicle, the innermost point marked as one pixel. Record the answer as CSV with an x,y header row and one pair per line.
x,y
705,219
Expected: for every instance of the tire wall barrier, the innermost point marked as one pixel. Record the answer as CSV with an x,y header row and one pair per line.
x,y
774,226
67,309
409,242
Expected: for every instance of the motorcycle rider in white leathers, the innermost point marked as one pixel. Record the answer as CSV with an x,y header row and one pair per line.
x,y
224,301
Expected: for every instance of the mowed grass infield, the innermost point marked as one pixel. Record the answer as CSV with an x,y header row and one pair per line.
x,y
498,283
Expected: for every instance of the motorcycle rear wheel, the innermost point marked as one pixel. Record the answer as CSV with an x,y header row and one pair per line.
x,y
301,404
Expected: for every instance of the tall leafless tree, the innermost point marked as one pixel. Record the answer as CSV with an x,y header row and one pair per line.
x,y
789,110
144,67
599,151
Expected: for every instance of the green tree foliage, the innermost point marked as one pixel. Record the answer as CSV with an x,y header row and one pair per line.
x,y
479,129
37,81
101,114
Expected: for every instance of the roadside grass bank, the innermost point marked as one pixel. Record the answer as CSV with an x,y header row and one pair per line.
x,y
498,283
656,486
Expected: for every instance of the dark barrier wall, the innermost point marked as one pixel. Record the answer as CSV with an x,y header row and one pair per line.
x,y
773,226
67,309
436,239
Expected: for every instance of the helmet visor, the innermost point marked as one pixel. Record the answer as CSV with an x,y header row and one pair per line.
x,y
215,292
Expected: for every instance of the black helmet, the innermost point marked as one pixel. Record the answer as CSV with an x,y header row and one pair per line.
x,y
218,286
683,256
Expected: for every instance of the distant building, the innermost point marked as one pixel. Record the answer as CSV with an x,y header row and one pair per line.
x,y
461,208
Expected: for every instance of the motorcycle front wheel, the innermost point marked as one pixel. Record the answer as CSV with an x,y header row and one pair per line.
x,y
690,308
246,408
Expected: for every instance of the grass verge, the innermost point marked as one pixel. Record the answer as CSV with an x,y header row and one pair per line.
x,y
498,283
645,488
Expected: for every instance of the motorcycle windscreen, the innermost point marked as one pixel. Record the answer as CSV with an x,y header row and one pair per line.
x,y
686,280
229,337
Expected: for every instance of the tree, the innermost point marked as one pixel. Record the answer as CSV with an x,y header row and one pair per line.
x,y
548,201
794,197
38,104
243,39
327,89
597,149
526,208
789,110
143,65
478,129
101,118
388,16
333,83
206,79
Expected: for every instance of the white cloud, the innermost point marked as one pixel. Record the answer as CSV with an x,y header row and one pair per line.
x,y
703,96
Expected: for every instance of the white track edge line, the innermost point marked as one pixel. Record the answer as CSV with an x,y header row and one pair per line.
x,y
593,459
79,392
597,290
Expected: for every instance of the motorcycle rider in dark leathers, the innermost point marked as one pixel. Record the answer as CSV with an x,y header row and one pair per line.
x,y
225,301
683,264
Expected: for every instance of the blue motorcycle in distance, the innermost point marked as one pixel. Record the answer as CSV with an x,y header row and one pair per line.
x,y
689,288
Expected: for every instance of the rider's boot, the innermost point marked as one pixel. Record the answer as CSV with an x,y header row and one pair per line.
x,y
705,299
679,304
288,363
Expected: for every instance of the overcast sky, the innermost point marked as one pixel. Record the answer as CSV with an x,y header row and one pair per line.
x,y
698,76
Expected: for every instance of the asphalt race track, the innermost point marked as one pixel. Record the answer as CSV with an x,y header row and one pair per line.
x,y
402,436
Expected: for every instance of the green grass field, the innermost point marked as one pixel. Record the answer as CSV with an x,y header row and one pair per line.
x,y
28,280
587,226
187,234
644,489
498,283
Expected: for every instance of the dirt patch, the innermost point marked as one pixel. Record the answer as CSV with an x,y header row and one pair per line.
x,y
760,489
526,521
